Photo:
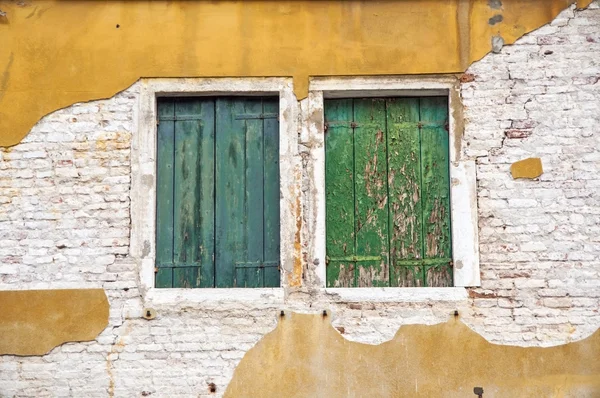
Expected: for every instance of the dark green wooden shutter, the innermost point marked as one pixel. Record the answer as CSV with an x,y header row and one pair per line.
x,y
217,193
387,192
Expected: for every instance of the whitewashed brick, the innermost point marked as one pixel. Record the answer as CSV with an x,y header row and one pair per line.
x,y
65,222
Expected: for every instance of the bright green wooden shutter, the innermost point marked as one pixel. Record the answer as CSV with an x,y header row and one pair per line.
x,y
387,192
217,193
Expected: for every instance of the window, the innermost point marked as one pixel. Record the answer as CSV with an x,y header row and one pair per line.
x,y
217,192
387,188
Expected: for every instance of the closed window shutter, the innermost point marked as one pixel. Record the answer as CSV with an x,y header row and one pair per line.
x,y
217,193
387,192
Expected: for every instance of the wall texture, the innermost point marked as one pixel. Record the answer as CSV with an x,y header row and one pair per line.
x,y
64,223
103,47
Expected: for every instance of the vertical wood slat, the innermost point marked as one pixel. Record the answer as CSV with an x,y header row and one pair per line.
x,y
436,190
404,178
339,191
164,194
371,196
207,195
271,193
251,233
193,242
230,190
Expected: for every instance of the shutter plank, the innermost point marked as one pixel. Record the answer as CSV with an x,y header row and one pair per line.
x,y
436,189
187,226
253,200
371,190
186,277
339,191
206,186
230,190
164,277
164,194
404,189
271,195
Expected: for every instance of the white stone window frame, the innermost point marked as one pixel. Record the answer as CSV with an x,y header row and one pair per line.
x,y
143,184
463,190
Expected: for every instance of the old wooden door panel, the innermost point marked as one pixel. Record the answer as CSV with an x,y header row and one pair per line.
x,y
371,196
247,226
404,158
339,191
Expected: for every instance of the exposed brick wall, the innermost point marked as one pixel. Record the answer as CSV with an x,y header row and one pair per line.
x,y
539,241
65,223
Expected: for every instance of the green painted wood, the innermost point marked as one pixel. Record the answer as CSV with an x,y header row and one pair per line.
x,y
405,220
230,189
253,180
271,193
394,187
206,191
371,192
339,191
164,193
218,193
186,277
195,118
164,277
186,177
436,189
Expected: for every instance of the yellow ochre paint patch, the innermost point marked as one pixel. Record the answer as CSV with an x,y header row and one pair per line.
x,y
306,357
56,53
32,322
527,168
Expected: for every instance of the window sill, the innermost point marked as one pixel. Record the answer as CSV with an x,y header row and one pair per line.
x,y
399,294
268,296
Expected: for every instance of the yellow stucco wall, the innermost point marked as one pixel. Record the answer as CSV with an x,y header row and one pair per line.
x,y
32,322
56,53
306,357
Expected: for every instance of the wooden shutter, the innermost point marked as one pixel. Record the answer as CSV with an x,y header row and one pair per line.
x,y
387,192
217,193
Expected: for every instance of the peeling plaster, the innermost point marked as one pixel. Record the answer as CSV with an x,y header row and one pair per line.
x,y
32,322
92,57
306,356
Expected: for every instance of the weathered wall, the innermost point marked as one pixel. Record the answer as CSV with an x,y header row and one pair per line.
x,y
308,358
64,223
33,322
540,251
103,47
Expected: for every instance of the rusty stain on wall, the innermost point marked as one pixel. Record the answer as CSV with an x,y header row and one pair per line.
x,y
527,168
103,47
306,357
32,322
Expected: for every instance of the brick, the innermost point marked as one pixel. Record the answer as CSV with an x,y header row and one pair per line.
x,y
65,222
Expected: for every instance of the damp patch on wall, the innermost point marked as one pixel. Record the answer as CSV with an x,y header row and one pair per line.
x,y
305,356
103,47
33,322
